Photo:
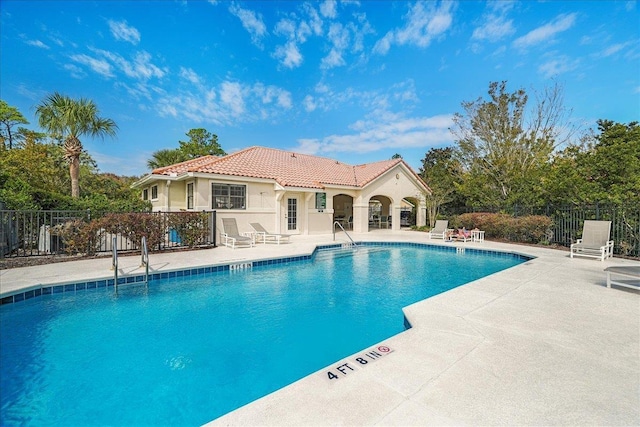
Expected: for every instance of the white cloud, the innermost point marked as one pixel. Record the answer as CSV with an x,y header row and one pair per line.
x,y
309,104
383,45
613,49
57,41
37,43
424,22
230,103
557,66
140,68
122,31
76,72
189,75
251,22
314,20
328,9
231,96
546,32
139,90
106,63
495,28
332,60
381,128
273,94
99,66
285,27
289,55
374,135
338,35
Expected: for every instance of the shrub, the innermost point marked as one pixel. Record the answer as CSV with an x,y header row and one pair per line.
x,y
192,227
78,236
529,229
134,226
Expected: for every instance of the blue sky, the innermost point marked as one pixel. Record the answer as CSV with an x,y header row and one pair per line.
x,y
357,81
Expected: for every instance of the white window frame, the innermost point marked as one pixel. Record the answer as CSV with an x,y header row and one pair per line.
x,y
191,185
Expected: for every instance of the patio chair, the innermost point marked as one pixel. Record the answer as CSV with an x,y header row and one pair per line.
x,y
263,234
439,231
230,235
595,241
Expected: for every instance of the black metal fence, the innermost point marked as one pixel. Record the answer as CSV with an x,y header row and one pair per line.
x,y
37,233
569,220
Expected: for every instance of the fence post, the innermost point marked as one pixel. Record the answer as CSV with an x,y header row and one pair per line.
x,y
212,228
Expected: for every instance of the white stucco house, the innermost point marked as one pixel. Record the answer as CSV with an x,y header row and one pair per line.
x,y
289,192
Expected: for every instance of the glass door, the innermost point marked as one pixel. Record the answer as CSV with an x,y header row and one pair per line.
x,y
292,214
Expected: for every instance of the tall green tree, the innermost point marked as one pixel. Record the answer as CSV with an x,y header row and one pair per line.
x,y
504,142
443,173
603,167
9,117
201,143
70,119
42,187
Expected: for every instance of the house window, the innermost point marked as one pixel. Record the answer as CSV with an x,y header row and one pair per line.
x,y
154,192
190,195
145,194
228,196
321,201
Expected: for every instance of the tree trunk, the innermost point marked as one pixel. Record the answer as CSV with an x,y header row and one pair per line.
x,y
74,172
72,151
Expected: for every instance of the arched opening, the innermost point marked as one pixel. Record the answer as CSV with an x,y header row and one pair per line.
x,y
380,212
343,210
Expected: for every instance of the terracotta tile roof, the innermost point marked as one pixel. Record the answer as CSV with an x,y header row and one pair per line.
x,y
285,167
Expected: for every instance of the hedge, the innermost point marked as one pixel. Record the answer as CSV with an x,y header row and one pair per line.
x,y
528,229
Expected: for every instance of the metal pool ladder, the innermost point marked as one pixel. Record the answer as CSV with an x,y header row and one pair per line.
x,y
345,232
145,260
114,262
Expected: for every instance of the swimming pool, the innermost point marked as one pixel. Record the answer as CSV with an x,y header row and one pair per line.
x,y
190,349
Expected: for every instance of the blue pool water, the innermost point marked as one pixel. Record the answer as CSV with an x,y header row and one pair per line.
x,y
189,350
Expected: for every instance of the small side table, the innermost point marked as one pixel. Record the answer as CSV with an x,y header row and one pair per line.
x,y
477,236
254,236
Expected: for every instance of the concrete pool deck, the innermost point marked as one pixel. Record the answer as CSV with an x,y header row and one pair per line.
x,y
542,343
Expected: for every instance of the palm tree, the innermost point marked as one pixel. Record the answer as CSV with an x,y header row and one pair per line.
x,y
166,157
70,118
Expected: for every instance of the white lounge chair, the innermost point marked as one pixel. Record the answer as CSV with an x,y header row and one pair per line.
x,y
264,235
595,241
630,276
230,235
439,231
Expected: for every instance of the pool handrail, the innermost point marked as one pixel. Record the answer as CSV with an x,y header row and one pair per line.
x,y
145,259
114,262
345,232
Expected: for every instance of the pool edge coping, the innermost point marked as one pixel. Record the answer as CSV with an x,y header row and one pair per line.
x,y
106,281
